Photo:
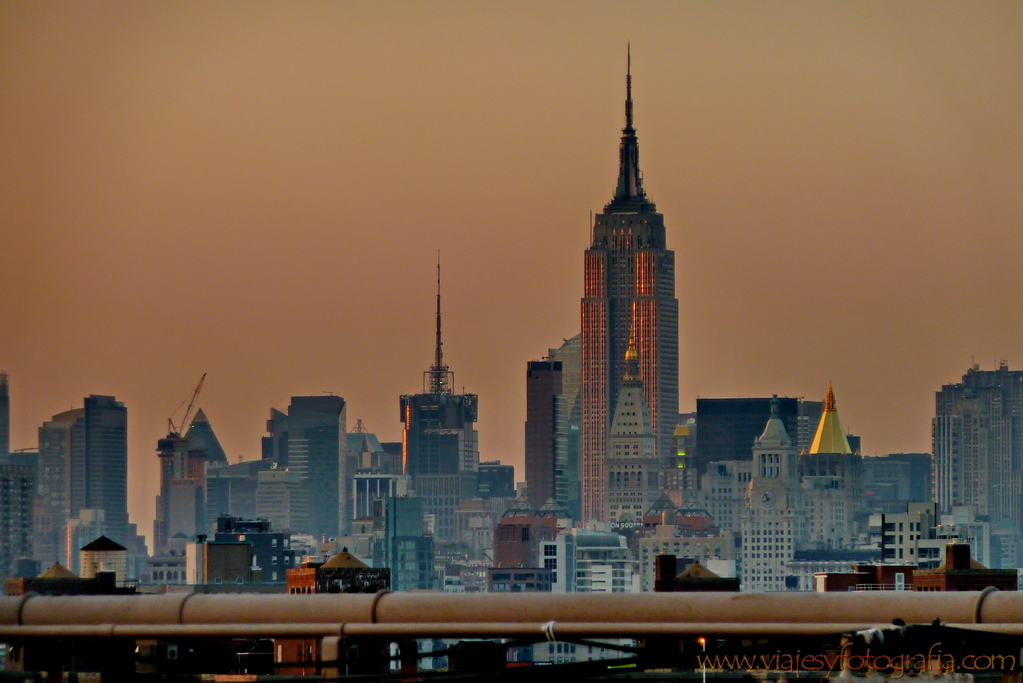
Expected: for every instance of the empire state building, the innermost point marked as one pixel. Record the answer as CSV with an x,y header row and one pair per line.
x,y
629,287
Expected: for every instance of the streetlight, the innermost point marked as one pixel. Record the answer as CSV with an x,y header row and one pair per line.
x,y
703,644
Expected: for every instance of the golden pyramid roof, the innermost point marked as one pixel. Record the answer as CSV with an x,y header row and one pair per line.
x,y
830,438
58,571
345,560
697,571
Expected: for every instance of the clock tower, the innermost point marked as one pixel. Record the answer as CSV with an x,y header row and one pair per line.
x,y
773,521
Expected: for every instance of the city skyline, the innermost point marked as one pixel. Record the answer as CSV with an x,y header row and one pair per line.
x,y
254,193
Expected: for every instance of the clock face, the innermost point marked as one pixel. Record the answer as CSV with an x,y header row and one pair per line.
x,y
767,498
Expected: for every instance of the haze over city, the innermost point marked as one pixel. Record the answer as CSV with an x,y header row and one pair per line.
x,y
258,192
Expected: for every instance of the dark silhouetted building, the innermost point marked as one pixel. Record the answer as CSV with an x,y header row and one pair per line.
x,y
54,485
520,580
200,433
546,435
395,449
317,428
496,480
98,468
629,287
891,481
729,426
441,445
570,356
17,496
408,552
58,580
271,550
518,536
282,499
5,415
275,443
224,562
231,490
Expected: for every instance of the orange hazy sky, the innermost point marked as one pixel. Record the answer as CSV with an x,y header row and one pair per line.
x,y
258,191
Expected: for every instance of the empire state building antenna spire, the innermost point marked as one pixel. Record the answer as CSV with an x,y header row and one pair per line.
x,y
628,88
438,379
630,180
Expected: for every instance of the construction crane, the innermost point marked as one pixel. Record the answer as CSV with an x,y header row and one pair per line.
x,y
175,431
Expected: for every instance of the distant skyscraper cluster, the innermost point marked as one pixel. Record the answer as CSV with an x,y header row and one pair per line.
x,y
74,486
772,505
770,493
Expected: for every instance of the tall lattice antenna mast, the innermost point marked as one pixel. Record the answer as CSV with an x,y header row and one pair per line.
x,y
438,379
438,359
